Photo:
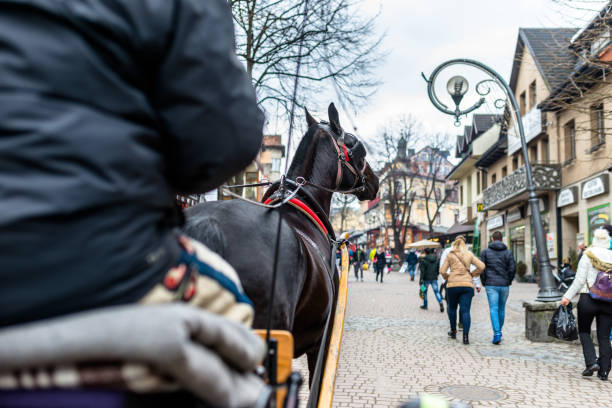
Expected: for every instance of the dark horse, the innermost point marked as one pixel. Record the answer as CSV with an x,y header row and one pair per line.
x,y
245,235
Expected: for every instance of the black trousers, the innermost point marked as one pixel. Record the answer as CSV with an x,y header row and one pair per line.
x,y
380,270
601,311
358,267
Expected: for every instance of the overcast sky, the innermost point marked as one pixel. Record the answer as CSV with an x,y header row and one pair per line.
x,y
420,34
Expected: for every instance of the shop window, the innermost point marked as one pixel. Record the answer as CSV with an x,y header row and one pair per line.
x,y
570,141
597,125
532,94
504,171
523,103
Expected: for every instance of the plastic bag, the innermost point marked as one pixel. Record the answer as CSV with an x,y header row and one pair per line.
x,y
563,324
422,289
404,268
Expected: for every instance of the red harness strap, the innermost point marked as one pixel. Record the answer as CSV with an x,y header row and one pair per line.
x,y
345,153
300,204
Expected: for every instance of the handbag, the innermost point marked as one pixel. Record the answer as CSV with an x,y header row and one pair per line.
x,y
602,287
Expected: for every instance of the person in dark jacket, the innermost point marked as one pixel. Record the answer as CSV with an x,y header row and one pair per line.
x,y
380,262
411,260
429,267
497,277
108,109
358,259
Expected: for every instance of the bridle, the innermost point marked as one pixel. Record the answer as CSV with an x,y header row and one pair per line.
x,y
346,159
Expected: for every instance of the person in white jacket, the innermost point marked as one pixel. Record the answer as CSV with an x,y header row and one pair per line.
x,y
589,308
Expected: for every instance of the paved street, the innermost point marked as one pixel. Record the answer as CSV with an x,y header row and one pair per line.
x,y
393,351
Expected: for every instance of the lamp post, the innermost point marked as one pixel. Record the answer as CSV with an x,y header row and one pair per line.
x,y
457,87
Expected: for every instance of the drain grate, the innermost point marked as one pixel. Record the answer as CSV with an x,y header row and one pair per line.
x,y
472,393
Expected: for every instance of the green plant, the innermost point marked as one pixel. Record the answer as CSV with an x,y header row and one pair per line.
x,y
521,269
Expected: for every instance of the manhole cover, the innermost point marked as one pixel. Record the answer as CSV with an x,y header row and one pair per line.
x,y
472,393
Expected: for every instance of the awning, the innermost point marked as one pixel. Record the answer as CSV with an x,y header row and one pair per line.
x,y
460,229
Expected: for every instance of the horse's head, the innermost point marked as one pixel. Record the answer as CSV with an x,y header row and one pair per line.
x,y
354,172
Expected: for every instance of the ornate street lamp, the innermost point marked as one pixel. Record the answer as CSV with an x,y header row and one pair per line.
x,y
457,87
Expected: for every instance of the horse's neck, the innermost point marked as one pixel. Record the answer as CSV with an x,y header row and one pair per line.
x,y
322,172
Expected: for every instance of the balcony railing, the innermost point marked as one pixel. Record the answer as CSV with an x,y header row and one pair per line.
x,y
513,187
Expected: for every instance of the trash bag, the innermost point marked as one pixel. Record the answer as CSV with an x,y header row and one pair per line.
x,y
563,324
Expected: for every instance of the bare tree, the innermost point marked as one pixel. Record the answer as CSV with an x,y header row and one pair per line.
x,y
437,191
399,173
342,204
337,44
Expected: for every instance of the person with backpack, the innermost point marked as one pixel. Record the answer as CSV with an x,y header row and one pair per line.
x,y
497,277
460,287
429,267
594,283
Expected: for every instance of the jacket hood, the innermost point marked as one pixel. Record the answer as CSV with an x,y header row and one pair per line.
x,y
498,246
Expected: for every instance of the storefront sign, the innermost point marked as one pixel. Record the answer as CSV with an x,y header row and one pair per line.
x,y
596,186
495,222
515,214
480,207
567,196
596,217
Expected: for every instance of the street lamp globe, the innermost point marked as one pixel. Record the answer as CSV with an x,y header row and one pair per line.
x,y
457,86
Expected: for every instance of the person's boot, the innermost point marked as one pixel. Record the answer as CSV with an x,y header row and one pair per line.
x,y
452,334
466,339
602,375
588,372
412,278
441,308
424,307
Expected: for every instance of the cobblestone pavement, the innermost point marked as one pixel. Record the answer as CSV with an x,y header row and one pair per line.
x,y
393,351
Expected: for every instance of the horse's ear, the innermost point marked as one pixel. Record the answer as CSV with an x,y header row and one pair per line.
x,y
309,119
334,119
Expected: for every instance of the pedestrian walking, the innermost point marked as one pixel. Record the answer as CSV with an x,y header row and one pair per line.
x,y
359,258
596,261
497,277
430,267
460,287
411,260
388,259
379,264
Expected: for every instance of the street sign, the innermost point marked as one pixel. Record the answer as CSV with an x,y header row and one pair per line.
x,y
480,207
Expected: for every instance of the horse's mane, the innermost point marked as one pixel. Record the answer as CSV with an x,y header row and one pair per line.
x,y
302,162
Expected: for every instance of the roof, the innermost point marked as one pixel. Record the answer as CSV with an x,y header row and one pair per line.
x,y
549,48
482,122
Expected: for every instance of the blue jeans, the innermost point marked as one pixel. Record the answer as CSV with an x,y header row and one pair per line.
x,y
434,286
497,296
411,270
460,296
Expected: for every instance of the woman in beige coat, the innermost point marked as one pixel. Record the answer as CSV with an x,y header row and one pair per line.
x,y
460,288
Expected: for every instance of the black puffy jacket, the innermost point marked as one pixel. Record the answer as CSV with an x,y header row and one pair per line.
x,y
429,267
108,108
500,266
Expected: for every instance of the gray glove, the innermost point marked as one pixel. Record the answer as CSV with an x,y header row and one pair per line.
x,y
208,355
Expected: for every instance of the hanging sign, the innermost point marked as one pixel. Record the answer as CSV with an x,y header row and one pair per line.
x,y
495,222
596,186
567,196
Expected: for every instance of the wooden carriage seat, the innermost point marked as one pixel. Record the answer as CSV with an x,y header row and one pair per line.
x,y
285,357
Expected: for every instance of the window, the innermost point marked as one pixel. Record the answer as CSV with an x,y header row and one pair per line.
x,y
533,153
570,141
532,94
597,125
438,219
478,183
515,162
546,150
504,171
461,194
493,178
523,103
276,164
